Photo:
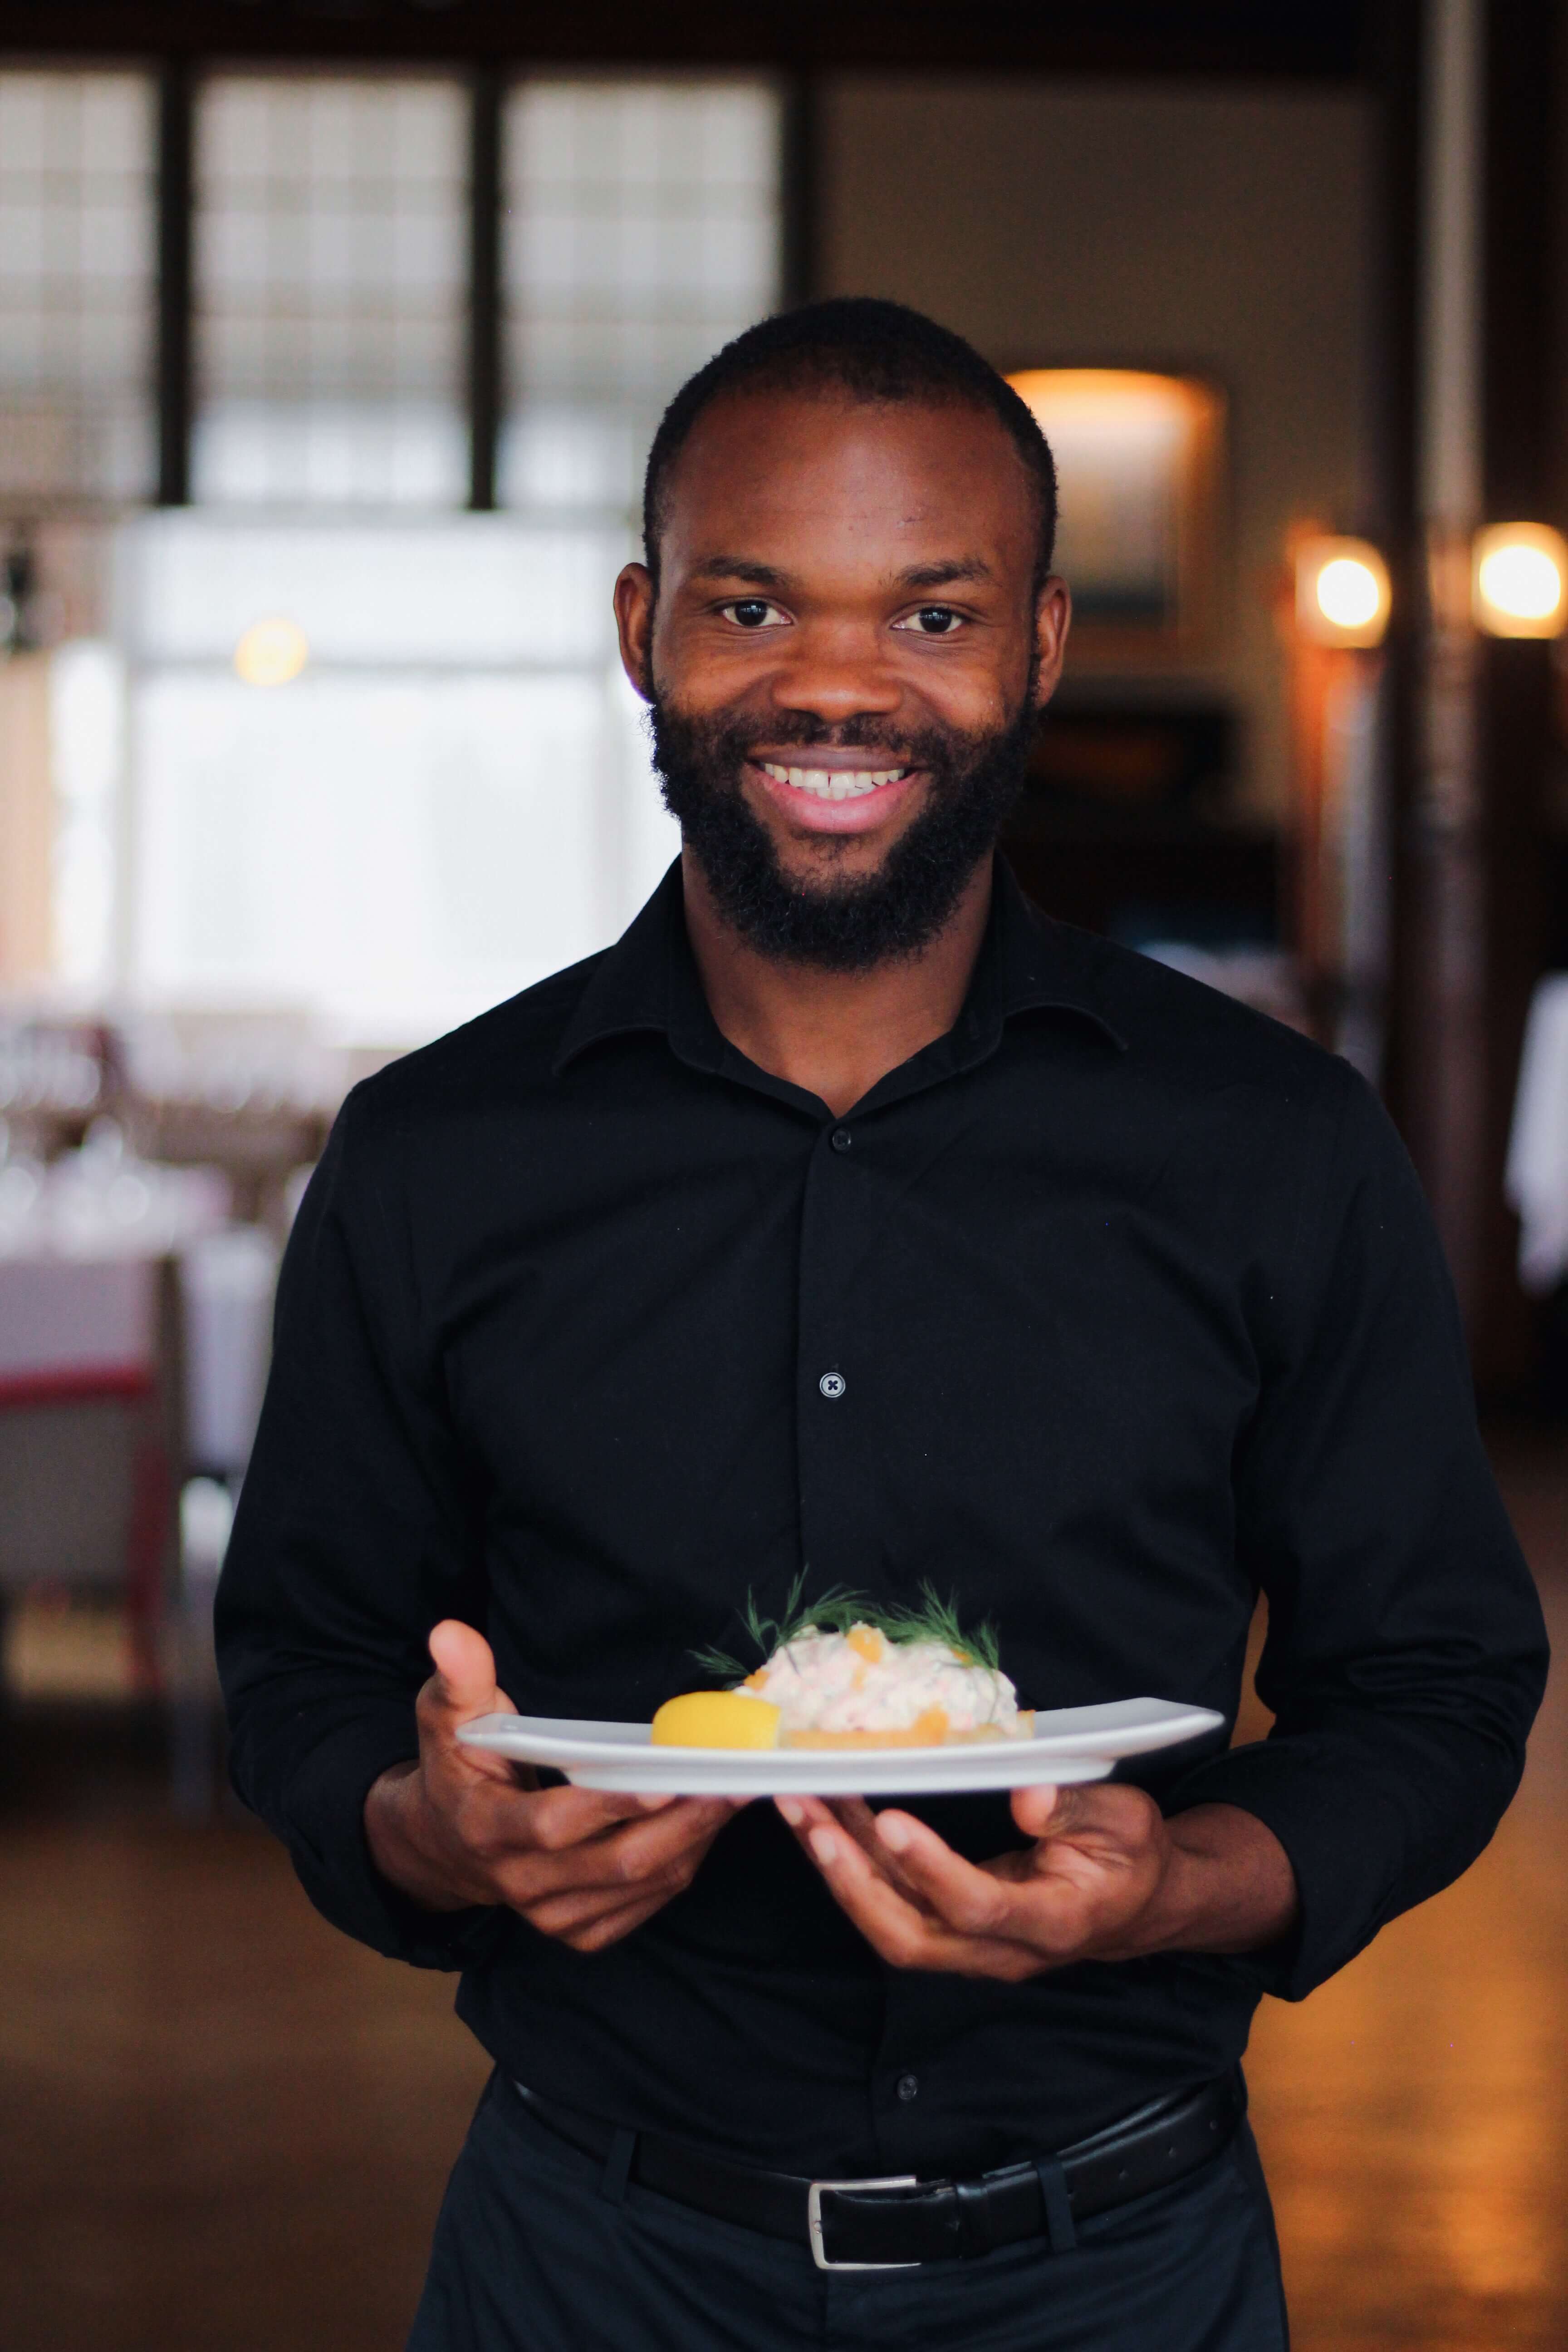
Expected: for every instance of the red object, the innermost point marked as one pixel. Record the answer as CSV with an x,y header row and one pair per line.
x,y
151,1496
63,1384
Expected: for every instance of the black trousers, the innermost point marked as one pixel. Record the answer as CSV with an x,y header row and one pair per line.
x,y
532,2255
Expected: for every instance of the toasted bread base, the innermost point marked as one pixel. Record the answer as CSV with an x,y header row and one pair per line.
x,y
917,1736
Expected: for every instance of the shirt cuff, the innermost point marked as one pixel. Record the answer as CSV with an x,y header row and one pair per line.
x,y
324,1827
1344,1841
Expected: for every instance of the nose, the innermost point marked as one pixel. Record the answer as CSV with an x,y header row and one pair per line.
x,y
836,674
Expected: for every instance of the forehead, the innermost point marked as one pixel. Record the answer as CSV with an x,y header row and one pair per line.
x,y
895,479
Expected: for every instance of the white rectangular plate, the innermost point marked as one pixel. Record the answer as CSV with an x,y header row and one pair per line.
x,y
1070,1743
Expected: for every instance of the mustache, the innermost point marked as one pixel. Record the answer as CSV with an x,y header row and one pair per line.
x,y
729,741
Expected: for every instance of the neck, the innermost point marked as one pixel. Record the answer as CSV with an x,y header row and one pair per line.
x,y
834,1033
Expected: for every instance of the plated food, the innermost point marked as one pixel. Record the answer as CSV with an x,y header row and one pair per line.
x,y
845,1674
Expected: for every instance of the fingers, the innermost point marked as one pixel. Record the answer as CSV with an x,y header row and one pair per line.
x,y
612,1839
910,1857
1078,1892
558,1819
852,1814
1109,1812
1035,1810
658,1852
594,1934
968,1899
592,1894
905,1935
464,1683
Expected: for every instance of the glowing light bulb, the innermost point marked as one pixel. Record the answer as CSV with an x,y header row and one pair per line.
x,y
1341,592
1348,593
272,653
1519,574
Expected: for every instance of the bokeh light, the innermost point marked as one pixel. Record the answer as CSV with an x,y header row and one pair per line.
x,y
271,652
1341,592
1520,577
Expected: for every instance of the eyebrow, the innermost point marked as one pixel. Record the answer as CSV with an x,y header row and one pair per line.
x,y
739,567
944,575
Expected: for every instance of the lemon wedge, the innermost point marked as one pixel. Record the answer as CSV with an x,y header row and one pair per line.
x,y
716,1719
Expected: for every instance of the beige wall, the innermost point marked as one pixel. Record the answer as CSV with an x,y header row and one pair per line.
x,y
27,822
1218,231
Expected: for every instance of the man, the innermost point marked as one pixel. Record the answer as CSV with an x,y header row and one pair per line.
x,y
849,1221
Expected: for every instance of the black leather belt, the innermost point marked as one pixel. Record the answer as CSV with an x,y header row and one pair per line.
x,y
893,2222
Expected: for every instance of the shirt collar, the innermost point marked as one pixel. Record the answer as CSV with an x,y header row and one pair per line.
x,y
648,981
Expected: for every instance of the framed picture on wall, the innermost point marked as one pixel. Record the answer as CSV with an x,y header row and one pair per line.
x,y
1139,469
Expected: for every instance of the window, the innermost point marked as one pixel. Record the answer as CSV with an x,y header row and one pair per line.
x,y
450,799
642,232
331,260
446,792
77,274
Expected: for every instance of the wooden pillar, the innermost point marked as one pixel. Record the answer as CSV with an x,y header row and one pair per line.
x,y
26,823
1514,685
1399,28
1447,1049
486,99
1436,1069
799,169
175,347
1471,92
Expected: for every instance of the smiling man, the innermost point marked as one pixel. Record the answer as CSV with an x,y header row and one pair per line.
x,y
849,1221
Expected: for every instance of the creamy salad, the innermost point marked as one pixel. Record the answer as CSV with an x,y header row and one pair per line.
x,y
859,1686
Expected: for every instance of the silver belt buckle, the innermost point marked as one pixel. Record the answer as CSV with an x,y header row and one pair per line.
x,y
814,2220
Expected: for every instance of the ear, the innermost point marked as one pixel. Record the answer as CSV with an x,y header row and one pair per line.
x,y
635,599
1053,619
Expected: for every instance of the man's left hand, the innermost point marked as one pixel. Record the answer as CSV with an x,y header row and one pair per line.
x,y
1107,1879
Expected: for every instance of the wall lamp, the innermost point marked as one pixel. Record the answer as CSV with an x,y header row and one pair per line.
x,y
1518,581
1341,592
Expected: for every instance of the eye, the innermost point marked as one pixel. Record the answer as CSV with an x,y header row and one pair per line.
x,y
754,613
932,620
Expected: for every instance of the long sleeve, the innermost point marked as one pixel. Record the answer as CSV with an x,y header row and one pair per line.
x,y
1405,1653
355,1534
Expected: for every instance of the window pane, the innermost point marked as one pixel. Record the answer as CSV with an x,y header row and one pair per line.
x,y
642,232
331,274
77,285
449,800
394,856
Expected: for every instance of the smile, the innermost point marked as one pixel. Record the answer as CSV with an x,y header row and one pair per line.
x,y
833,784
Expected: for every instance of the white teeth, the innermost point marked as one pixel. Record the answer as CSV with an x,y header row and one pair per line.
x,y
832,784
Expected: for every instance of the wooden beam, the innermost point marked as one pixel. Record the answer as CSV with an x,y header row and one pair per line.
x,y
485,389
1288,39
1394,522
799,263
175,378
1514,722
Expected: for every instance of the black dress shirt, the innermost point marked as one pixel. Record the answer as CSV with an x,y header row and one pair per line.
x,y
1133,1309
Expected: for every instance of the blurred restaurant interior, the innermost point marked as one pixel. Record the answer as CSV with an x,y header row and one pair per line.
x,y
333,334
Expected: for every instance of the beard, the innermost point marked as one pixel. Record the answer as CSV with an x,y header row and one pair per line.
x,y
868,919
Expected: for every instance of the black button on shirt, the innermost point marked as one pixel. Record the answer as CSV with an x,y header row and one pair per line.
x,y
1131,1309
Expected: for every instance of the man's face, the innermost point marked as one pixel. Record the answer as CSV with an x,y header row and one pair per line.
x,y
844,661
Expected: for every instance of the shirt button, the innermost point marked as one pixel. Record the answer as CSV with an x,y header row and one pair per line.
x,y
909,2087
833,1384
841,1139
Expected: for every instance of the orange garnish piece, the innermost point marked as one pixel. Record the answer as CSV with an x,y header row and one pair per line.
x,y
868,1643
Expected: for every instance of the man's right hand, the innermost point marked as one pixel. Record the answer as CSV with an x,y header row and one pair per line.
x,y
458,1827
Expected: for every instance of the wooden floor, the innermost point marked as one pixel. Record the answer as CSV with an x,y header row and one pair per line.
x,y
223,2128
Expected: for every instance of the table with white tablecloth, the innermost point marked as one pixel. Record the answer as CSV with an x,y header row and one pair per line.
x,y
134,1335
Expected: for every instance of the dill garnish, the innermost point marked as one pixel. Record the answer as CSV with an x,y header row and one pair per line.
x,y
834,1612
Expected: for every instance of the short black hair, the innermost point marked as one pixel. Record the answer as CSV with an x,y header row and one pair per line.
x,y
872,351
